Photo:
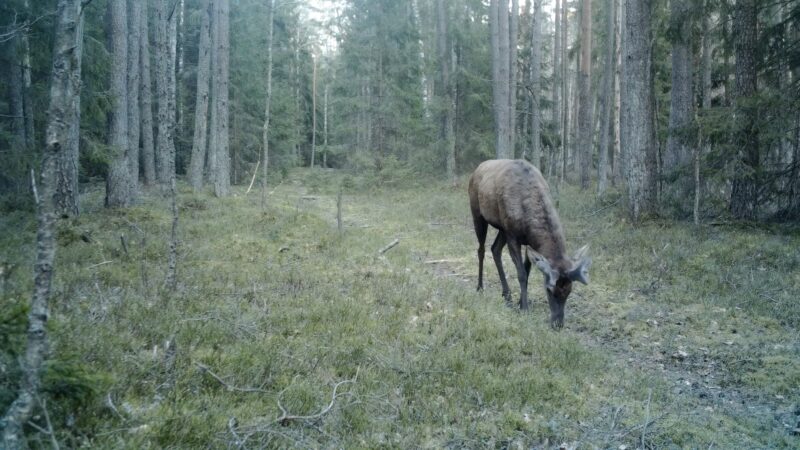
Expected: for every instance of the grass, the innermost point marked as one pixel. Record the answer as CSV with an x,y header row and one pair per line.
x,y
685,338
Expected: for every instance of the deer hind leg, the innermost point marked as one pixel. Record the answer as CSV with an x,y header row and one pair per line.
x,y
497,253
481,227
522,272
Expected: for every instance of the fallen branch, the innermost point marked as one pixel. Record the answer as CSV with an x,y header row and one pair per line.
x,y
441,261
286,417
389,247
230,387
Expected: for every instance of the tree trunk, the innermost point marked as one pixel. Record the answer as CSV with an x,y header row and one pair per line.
x,y
501,77
557,84
325,127
536,73
165,145
66,189
173,16
445,52
222,180
27,91
744,194
616,164
62,98
677,159
586,101
565,89
146,97
313,109
606,134
513,30
267,104
16,97
638,134
134,89
118,180
200,140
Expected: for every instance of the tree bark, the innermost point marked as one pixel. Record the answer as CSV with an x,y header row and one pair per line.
x,y
513,39
134,90
222,177
146,97
606,125
66,189
267,104
501,77
445,51
200,140
118,181
165,145
586,102
62,98
557,84
677,159
16,97
313,110
636,121
744,194
536,74
565,89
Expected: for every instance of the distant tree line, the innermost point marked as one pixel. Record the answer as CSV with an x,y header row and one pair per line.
x,y
689,108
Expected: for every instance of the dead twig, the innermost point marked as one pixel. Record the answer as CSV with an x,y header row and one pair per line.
x,y
389,247
230,387
285,417
99,264
252,180
110,404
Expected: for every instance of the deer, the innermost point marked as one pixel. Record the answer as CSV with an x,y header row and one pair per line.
x,y
513,197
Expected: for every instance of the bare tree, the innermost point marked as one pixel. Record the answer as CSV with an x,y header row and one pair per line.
x,y
268,104
200,141
62,98
118,181
636,121
586,102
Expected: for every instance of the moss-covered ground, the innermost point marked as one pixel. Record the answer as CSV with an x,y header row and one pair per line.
x,y
284,332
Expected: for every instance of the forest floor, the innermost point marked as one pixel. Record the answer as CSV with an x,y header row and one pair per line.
x,y
285,332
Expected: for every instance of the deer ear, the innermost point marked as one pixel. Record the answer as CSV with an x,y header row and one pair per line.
x,y
580,270
550,276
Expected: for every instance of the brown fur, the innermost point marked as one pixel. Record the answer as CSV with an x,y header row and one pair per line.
x,y
512,196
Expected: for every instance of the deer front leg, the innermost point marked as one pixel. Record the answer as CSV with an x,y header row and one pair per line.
x,y
497,254
522,273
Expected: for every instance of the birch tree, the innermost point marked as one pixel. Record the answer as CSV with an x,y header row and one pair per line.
x,y
62,100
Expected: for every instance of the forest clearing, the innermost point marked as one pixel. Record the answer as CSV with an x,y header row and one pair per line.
x,y
685,336
259,224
